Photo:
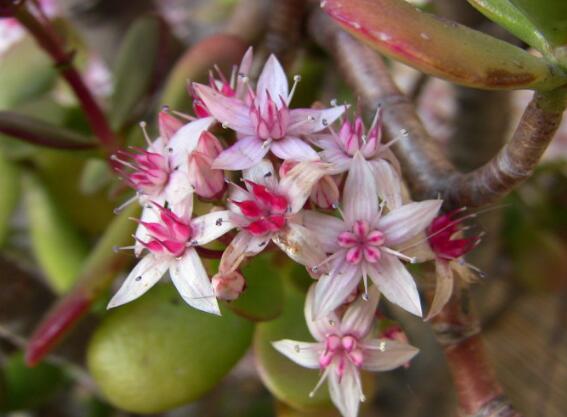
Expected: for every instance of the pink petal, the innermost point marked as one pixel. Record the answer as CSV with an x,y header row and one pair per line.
x,y
407,221
326,193
143,277
302,353
346,392
443,287
360,196
211,226
307,121
294,149
243,71
229,111
339,161
245,153
395,282
299,182
262,173
359,317
327,228
385,354
388,183
272,82
333,289
190,278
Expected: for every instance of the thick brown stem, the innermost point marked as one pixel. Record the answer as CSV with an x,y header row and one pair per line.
x,y
429,172
458,331
284,30
62,59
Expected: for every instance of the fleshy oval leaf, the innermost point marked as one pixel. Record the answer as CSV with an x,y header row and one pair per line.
x,y
443,48
157,353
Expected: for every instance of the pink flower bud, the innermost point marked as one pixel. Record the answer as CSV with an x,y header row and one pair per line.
x,y
168,125
326,194
208,182
228,286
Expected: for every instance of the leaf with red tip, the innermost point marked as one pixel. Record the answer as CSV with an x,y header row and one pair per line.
x,y
442,48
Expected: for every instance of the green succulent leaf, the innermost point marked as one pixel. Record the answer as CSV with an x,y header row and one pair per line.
x,y
288,381
158,353
264,295
57,245
10,186
442,48
135,68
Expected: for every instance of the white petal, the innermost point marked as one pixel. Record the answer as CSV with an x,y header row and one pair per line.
x,y
443,287
242,246
262,173
307,121
299,182
404,223
179,193
143,277
346,393
293,149
193,284
302,353
395,282
230,111
322,327
384,354
185,140
211,226
326,228
388,183
337,159
300,244
245,153
360,197
332,289
272,80
360,315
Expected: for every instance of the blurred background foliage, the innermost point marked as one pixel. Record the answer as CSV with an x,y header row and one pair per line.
x,y
159,357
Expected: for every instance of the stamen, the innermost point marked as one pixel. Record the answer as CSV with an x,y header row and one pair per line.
x,y
121,161
399,255
296,80
375,119
125,204
320,382
233,74
403,134
146,136
267,143
117,249
184,116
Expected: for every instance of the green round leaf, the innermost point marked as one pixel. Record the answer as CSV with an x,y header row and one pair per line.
x,y
264,295
288,381
157,353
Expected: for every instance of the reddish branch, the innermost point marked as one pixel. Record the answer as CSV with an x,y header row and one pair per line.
x,y
458,331
423,160
63,59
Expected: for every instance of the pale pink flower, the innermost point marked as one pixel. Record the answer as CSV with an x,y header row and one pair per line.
x,y
343,347
234,87
208,183
325,193
171,242
265,211
264,121
339,149
160,173
366,242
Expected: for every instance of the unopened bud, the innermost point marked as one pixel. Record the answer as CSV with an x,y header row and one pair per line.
x,y
168,125
209,183
325,194
228,286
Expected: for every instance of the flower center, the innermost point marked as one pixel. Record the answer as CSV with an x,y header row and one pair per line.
x,y
362,243
442,237
170,236
341,349
146,172
266,213
270,121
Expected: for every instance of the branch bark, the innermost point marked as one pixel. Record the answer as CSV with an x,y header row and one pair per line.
x,y
424,163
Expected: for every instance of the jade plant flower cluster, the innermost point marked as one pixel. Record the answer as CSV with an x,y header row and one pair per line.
x,y
314,183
